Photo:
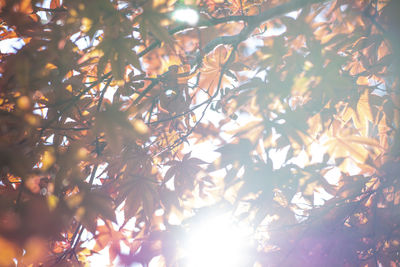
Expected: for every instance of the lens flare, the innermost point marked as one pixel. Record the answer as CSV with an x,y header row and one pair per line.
x,y
218,242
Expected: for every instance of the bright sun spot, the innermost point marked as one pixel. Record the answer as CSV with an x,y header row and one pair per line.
x,y
218,242
188,15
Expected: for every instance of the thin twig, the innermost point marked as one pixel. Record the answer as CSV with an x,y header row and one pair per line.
x,y
57,9
145,91
103,92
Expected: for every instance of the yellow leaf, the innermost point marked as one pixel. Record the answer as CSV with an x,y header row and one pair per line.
x,y
50,66
25,6
140,127
86,24
362,80
396,118
347,114
365,141
362,140
314,124
383,50
342,148
23,103
47,160
52,202
117,83
8,252
80,212
35,249
14,179
32,119
74,200
356,151
82,153
364,113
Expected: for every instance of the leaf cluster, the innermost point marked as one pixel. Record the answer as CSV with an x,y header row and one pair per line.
x,y
102,101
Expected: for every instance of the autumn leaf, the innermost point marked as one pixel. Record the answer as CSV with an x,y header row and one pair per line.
x,y
95,205
184,173
107,235
212,67
139,195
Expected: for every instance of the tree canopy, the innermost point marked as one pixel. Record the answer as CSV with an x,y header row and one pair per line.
x,y
126,123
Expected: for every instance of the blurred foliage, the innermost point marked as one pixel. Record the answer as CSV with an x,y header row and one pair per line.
x,y
101,100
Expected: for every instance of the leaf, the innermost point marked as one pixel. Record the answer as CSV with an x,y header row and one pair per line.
x,y
211,68
103,238
363,141
339,147
150,21
95,205
185,172
195,161
169,174
138,192
55,4
364,114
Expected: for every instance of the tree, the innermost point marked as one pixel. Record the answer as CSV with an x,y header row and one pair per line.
x,y
102,101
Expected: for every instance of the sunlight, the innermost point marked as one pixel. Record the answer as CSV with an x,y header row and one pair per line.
x,y
218,242
188,15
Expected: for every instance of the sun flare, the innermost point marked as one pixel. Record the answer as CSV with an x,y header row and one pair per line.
x,y
218,242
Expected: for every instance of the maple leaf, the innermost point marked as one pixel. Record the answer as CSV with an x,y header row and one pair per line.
x,y
211,69
107,235
184,173
139,194
94,205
